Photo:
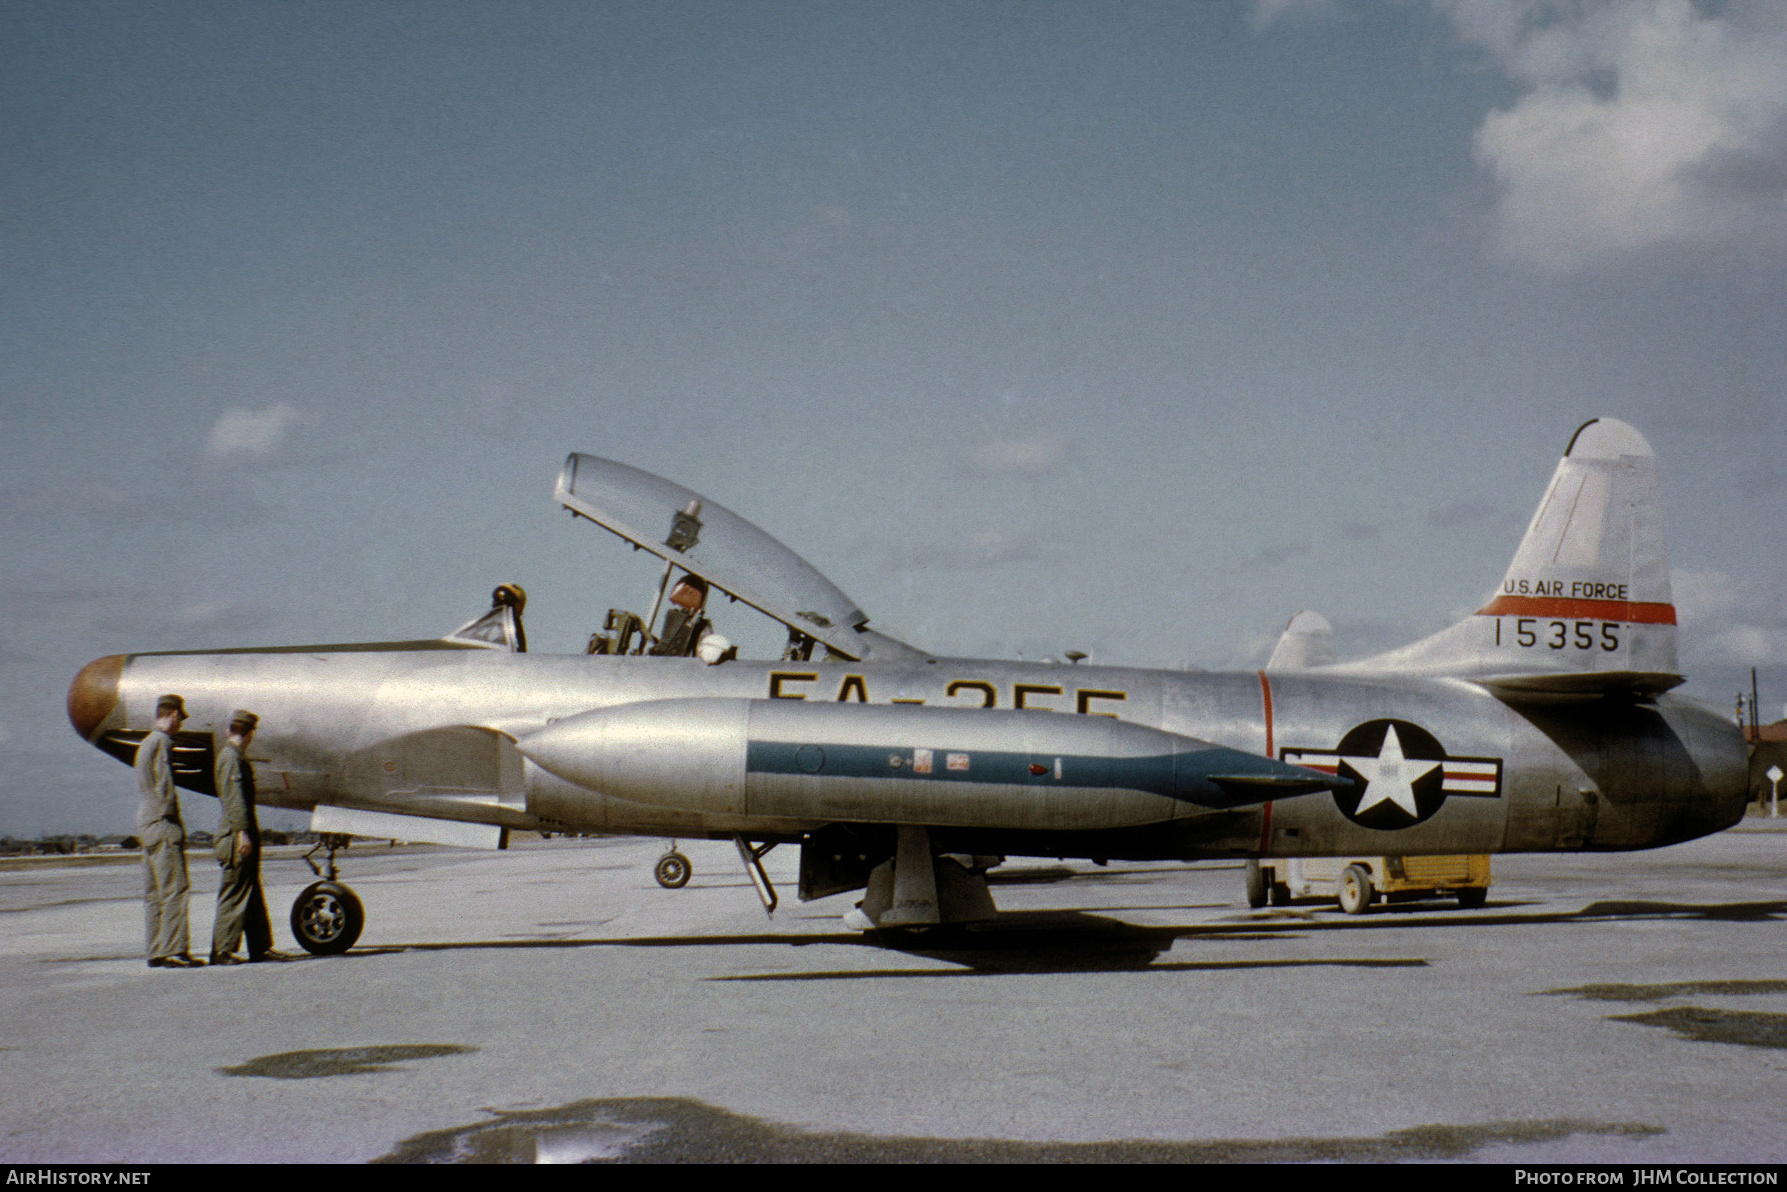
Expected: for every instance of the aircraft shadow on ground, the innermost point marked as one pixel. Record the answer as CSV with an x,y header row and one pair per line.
x,y
1078,940
1021,942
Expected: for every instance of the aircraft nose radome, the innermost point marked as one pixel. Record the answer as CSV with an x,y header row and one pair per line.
x,y
94,693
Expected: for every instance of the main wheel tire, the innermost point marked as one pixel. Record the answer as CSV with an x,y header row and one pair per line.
x,y
1472,897
1258,881
1356,892
327,918
673,870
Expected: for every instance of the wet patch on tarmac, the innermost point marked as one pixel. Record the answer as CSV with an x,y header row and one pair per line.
x,y
1748,1028
341,1061
1657,993
684,1130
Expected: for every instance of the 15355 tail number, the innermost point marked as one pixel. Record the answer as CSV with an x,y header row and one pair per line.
x,y
1535,633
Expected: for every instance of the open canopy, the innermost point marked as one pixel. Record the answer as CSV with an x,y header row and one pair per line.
x,y
702,536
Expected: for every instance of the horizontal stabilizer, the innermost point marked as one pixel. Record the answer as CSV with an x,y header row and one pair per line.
x,y
1583,684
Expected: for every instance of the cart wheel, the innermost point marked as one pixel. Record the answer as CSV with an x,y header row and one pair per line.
x,y
1356,893
1258,883
673,871
1472,897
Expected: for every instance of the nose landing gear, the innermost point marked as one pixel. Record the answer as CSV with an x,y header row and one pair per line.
x,y
327,916
673,869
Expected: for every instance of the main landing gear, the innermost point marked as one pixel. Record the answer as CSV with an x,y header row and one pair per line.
x,y
327,917
919,889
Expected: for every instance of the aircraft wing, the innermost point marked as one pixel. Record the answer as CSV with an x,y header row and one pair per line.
x,y
728,552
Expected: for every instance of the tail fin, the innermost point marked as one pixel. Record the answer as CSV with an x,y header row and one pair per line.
x,y
1585,607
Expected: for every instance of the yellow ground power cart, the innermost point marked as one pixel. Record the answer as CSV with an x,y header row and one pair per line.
x,y
1357,882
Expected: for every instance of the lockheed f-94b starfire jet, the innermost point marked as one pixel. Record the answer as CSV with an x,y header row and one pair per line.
x,y
1542,722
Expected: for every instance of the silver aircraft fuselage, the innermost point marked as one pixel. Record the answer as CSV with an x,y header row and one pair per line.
x,y
431,730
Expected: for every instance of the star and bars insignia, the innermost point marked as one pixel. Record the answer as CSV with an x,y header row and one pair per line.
x,y
1401,773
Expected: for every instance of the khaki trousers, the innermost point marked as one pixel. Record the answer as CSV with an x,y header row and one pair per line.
x,y
241,907
165,887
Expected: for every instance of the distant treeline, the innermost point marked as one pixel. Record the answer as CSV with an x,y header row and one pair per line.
x,y
50,846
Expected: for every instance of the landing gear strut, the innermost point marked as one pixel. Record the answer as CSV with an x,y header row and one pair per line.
x,y
327,917
752,855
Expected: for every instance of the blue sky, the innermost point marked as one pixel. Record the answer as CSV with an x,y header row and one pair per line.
x,y
1132,328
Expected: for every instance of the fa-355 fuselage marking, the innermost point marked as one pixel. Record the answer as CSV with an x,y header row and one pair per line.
x,y
855,688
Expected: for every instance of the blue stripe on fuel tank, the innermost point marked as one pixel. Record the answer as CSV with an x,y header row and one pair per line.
x,y
1153,774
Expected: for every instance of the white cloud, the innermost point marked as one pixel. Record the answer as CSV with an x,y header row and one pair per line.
x,y
241,431
1028,456
1641,123
1730,620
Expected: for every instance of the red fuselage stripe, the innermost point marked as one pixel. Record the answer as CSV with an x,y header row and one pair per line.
x,y
1628,611
1266,810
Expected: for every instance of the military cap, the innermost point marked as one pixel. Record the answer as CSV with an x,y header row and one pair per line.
x,y
170,703
242,720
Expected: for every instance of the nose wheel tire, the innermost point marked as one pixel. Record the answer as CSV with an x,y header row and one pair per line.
x,y
1259,884
327,918
673,870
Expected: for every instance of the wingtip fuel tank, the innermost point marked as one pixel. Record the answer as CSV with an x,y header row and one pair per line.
x,y
959,767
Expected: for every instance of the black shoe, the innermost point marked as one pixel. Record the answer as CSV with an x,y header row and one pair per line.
x,y
181,961
269,954
218,958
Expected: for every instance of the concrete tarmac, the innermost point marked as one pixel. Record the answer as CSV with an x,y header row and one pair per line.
x,y
553,1004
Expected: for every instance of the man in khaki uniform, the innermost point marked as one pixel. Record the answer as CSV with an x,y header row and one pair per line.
x,y
159,826
241,907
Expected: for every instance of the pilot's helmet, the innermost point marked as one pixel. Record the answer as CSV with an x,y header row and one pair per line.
x,y
690,592
712,649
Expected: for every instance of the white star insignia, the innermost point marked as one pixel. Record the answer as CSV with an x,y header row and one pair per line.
x,y
1390,777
